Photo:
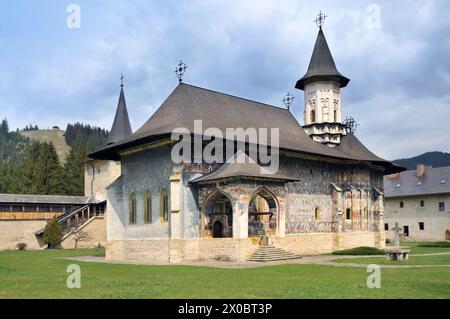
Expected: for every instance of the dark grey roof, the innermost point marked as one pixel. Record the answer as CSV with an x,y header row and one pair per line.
x,y
408,184
43,199
121,127
188,103
246,167
322,66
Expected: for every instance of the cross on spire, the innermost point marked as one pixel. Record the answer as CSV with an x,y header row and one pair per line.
x,y
288,100
121,79
320,20
180,70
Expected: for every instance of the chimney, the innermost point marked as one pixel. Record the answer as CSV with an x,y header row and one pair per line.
x,y
420,170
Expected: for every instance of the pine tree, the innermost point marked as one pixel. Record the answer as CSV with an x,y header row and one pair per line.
x,y
6,177
40,172
73,173
27,170
50,174
53,233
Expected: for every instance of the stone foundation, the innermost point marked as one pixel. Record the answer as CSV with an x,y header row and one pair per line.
x,y
233,249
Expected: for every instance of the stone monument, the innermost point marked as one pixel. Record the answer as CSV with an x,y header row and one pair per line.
x,y
397,253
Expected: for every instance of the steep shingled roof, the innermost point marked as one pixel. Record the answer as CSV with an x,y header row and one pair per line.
x,y
322,66
121,127
188,103
433,181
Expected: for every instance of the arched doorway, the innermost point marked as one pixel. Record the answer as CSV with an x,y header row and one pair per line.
x,y
218,217
262,214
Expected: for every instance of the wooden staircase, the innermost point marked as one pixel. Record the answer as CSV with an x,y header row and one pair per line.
x,y
272,253
77,218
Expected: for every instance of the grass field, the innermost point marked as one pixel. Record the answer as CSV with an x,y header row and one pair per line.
x,y
42,274
54,136
413,260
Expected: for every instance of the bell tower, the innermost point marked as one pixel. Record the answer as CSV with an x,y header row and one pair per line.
x,y
322,85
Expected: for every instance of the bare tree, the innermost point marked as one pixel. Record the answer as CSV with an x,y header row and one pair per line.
x,y
79,235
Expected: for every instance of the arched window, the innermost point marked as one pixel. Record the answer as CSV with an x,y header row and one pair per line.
x,y
348,198
147,208
317,213
313,116
132,209
359,203
348,214
325,114
164,206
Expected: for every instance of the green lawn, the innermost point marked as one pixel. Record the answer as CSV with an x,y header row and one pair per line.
x,y
422,250
413,260
41,274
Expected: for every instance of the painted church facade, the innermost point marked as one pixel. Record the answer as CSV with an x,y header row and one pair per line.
x,y
326,195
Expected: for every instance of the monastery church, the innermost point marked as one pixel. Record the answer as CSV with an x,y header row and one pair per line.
x,y
327,194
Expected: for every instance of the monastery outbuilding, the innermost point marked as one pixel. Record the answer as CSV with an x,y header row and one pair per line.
x,y
326,195
419,201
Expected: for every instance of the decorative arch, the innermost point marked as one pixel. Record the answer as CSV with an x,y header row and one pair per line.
x,y
263,213
217,215
348,205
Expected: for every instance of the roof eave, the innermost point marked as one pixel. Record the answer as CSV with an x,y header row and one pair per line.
x,y
307,79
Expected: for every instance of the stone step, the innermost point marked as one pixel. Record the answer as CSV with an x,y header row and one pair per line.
x,y
272,253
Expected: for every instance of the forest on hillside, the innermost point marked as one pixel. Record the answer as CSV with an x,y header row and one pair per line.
x,y
435,159
32,167
91,137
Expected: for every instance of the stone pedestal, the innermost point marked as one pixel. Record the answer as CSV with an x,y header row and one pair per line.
x,y
397,254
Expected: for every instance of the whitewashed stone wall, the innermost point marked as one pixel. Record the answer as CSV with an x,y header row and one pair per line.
x,y
15,232
436,223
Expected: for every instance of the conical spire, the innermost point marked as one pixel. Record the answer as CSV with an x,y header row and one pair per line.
x,y
121,127
321,66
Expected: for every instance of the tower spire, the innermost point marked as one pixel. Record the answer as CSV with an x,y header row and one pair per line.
x,y
322,66
322,84
121,127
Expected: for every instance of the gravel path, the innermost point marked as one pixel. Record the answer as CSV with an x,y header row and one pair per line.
x,y
323,260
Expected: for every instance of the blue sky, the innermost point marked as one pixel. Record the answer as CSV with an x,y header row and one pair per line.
x,y
399,67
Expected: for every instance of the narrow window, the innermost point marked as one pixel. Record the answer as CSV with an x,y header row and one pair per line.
x,y
147,208
386,227
422,203
132,209
313,116
442,206
422,226
402,205
335,115
348,214
406,231
317,213
164,206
